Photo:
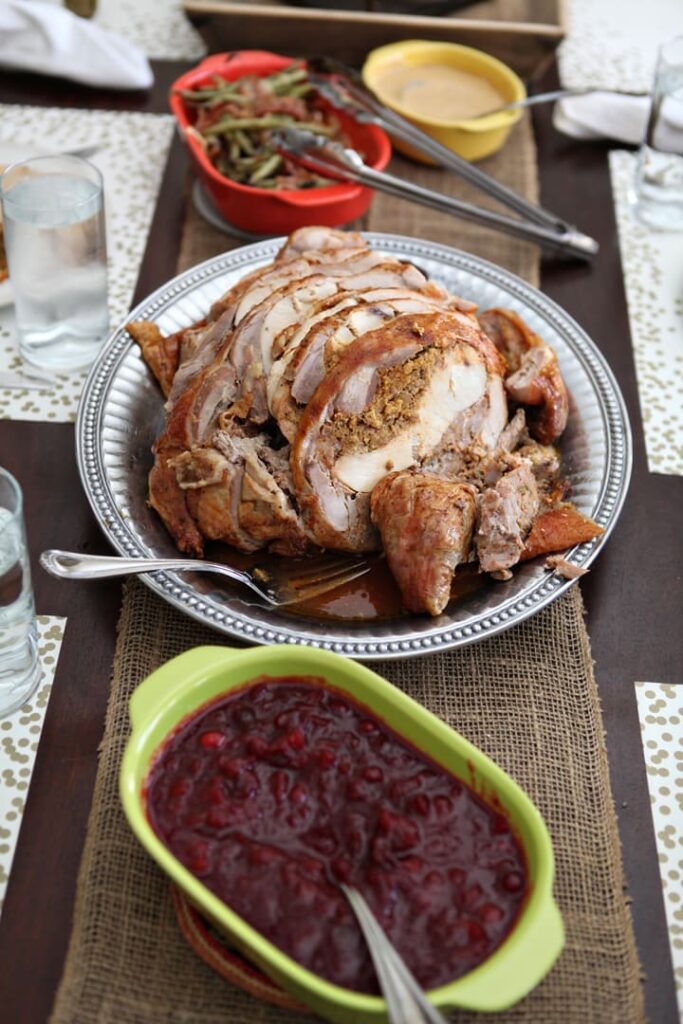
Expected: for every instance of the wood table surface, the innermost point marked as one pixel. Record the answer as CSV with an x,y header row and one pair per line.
x,y
633,592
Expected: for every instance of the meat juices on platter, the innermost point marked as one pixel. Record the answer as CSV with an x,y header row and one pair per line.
x,y
338,398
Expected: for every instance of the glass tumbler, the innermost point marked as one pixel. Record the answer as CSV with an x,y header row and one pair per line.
x,y
659,174
19,664
56,252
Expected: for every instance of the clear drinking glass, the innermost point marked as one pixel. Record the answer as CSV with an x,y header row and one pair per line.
x,y
659,175
56,251
19,664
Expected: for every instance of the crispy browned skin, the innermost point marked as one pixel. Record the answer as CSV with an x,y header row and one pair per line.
x,y
426,524
557,530
184,425
169,501
160,353
543,389
163,354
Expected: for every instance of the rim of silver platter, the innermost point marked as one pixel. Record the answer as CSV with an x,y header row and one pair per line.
x,y
121,412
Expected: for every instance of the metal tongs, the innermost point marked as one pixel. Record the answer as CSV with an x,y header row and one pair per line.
x,y
344,89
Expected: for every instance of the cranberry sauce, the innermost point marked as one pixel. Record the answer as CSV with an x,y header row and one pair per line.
x,y
276,792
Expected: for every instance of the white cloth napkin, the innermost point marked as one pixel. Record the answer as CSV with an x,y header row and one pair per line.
x,y
50,40
610,115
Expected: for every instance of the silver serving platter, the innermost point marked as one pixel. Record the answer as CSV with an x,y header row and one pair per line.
x,y
121,412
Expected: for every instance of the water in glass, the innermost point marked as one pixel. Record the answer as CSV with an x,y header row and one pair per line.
x,y
54,227
19,665
659,175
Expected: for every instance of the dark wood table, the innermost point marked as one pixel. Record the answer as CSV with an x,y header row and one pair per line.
x,y
633,593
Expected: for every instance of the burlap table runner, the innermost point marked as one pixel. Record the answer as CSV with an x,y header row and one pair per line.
x,y
527,697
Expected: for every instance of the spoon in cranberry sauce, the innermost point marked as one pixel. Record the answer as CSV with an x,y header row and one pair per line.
x,y
406,1002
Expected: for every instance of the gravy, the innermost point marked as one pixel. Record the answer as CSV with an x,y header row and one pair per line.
x,y
437,91
372,597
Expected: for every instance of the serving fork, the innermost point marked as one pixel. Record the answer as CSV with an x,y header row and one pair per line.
x,y
406,1002
277,584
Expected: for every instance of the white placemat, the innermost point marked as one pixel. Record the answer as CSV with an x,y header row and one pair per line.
x,y
653,272
19,738
613,43
131,154
660,708
159,27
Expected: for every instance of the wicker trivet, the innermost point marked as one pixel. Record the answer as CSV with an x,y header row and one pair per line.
x,y
226,962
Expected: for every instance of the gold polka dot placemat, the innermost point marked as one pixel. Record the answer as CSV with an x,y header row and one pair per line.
x,y
651,262
19,739
660,709
130,153
527,697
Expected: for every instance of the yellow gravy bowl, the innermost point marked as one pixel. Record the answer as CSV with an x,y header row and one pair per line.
x,y
387,72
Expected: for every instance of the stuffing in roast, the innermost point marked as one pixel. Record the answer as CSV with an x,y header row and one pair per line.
x,y
337,398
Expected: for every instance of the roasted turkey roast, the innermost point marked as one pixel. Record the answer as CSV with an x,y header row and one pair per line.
x,y
337,398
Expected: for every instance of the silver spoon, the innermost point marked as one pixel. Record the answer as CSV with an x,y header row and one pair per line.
x,y
547,97
406,1002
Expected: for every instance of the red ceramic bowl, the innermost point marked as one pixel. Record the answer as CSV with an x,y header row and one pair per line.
x,y
265,211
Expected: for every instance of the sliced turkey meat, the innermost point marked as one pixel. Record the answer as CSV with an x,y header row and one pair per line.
x,y
232,308
168,499
204,344
273,326
194,417
266,512
166,355
394,397
482,459
211,482
239,491
333,262
176,358
426,524
560,565
538,383
506,512
514,433
385,406
188,351
313,237
320,340
310,245
546,466
534,377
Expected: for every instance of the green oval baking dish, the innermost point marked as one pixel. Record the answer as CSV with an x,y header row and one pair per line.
x,y
185,684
